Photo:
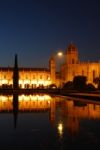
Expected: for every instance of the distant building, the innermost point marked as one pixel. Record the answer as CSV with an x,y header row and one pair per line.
x,y
43,77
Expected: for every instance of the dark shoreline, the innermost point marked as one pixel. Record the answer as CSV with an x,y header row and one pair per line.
x,y
86,95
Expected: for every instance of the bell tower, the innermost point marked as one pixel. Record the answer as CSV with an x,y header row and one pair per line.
x,y
52,67
71,62
72,54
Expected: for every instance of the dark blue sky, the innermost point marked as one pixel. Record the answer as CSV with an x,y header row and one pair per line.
x,y
37,28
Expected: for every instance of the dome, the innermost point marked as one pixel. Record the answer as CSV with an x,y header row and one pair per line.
x,y
71,48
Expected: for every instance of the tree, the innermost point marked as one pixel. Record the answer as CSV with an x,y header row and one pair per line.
x,y
90,87
79,82
68,85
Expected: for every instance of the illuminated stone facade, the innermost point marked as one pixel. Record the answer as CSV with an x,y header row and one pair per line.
x,y
28,77
74,67
43,77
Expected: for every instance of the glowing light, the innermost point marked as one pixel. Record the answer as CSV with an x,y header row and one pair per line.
x,y
26,81
4,81
60,129
3,98
60,54
34,98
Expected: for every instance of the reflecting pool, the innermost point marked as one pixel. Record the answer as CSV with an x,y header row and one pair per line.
x,y
45,122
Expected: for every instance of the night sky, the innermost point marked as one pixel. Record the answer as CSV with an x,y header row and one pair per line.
x,y
34,29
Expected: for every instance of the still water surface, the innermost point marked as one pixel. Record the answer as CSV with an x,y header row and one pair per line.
x,y
44,122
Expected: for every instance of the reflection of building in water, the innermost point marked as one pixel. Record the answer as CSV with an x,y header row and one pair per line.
x,y
76,110
52,111
6,103
60,128
26,102
72,125
32,102
15,108
71,111
39,77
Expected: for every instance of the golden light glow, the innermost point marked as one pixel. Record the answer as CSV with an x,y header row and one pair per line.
x,y
60,128
4,81
26,81
60,53
44,101
26,102
35,82
3,98
34,97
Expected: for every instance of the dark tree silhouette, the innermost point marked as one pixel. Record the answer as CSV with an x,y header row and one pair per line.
x,y
90,87
15,74
69,85
79,82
